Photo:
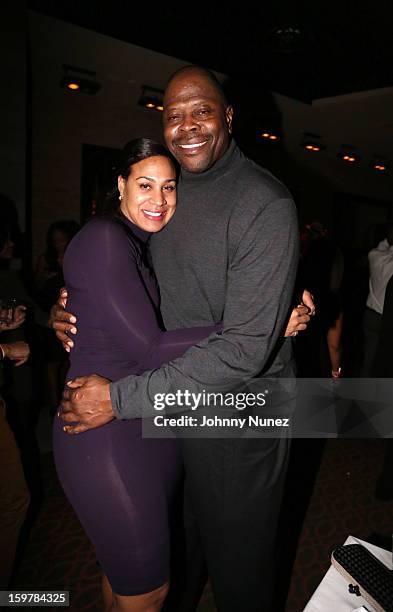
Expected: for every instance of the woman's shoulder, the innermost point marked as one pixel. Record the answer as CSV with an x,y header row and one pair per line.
x,y
100,242
98,236
102,225
99,229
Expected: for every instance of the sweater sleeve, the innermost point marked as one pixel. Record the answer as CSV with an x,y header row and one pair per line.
x,y
260,280
110,270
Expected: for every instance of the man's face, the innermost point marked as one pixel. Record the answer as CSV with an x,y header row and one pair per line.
x,y
197,124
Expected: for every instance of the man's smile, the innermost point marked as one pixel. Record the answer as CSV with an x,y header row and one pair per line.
x,y
193,145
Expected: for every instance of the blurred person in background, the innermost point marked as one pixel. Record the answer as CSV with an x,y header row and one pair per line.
x,y
17,383
49,271
14,494
48,281
382,367
318,354
321,270
381,269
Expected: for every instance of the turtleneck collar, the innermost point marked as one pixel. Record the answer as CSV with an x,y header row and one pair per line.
x,y
140,233
219,167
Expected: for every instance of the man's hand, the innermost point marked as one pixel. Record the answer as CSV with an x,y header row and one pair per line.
x,y
86,403
16,351
301,315
62,322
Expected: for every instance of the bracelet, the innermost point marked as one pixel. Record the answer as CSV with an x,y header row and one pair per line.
x,y
2,352
337,373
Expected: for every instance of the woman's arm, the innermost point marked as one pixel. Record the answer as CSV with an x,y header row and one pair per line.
x,y
108,260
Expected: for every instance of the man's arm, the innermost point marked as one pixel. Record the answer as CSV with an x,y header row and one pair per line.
x,y
64,322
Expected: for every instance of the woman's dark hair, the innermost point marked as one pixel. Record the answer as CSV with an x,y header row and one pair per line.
x,y
4,234
139,149
133,152
9,226
69,228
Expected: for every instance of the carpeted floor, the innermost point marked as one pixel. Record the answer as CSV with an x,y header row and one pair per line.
x,y
59,556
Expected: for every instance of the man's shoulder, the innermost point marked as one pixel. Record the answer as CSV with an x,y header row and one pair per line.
x,y
260,180
382,253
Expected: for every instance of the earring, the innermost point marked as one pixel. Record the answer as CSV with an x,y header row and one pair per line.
x,y
120,197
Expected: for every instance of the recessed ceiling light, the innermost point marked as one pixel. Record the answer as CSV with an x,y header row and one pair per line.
x,y
347,154
79,80
270,135
379,164
151,98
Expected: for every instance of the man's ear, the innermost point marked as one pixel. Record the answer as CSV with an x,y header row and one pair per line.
x,y
229,117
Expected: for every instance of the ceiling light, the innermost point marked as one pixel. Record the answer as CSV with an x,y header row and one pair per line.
x,y
312,143
347,154
151,98
270,135
79,80
379,164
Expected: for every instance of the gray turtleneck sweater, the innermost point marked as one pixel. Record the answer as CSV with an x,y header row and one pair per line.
x,y
229,254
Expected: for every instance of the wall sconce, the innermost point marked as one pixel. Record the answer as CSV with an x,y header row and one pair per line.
x,y
312,143
347,154
151,98
80,80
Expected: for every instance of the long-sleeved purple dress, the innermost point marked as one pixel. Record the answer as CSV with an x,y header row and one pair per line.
x,y
120,484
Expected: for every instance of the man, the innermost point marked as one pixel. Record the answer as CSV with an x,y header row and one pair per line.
x,y
230,254
381,269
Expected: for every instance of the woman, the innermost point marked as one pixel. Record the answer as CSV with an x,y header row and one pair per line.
x,y
321,269
120,484
49,271
48,280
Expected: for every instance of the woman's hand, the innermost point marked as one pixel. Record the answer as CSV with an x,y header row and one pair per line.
x,y
308,301
61,321
298,321
300,316
16,351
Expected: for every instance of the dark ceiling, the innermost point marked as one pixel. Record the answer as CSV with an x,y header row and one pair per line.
x,y
305,50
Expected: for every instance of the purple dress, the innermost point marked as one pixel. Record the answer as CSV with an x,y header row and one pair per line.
x,y
120,484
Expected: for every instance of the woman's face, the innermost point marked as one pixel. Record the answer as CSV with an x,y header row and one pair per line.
x,y
149,193
8,249
60,241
